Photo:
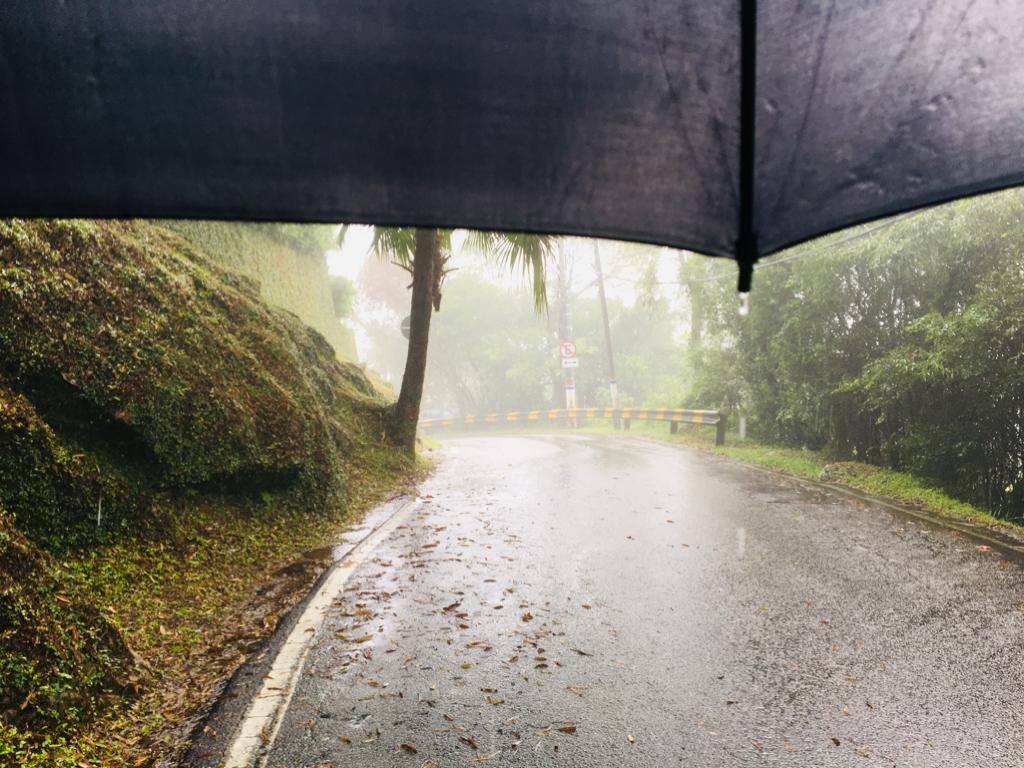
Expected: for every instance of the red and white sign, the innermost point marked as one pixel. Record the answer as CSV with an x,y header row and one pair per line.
x,y
567,348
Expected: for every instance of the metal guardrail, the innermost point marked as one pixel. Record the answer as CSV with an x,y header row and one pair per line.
x,y
674,416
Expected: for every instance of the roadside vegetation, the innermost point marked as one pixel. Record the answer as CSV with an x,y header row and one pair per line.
x,y
286,261
170,443
902,349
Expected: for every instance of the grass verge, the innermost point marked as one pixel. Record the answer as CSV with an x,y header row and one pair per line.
x,y
192,606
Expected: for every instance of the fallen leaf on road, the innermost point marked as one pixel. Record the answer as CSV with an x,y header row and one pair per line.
x,y
409,748
568,729
631,738
527,616
588,606
581,653
469,741
836,741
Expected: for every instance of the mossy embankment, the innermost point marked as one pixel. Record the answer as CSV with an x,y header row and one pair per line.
x,y
287,263
168,441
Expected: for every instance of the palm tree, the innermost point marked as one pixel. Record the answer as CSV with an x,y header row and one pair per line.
x,y
425,254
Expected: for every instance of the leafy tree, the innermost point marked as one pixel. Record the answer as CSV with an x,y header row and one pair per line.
x,y
900,348
490,353
343,295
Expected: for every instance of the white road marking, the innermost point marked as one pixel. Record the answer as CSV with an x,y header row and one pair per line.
x,y
262,721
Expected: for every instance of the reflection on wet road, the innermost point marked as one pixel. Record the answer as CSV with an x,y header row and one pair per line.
x,y
595,601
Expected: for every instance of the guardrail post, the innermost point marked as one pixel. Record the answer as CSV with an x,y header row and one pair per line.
x,y
673,427
625,424
720,430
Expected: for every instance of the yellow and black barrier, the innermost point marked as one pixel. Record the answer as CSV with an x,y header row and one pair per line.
x,y
674,416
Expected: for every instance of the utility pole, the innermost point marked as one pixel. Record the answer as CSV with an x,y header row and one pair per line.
x,y
613,386
564,278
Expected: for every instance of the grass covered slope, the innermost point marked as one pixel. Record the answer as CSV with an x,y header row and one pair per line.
x,y
161,428
58,653
140,366
286,261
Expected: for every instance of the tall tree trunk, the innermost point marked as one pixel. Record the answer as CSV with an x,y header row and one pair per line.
x,y
407,409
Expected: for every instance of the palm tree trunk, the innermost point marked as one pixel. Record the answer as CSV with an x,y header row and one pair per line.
x,y
407,408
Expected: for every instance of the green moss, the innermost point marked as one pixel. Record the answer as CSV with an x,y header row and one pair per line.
x,y
30,750
59,656
164,352
284,264
167,441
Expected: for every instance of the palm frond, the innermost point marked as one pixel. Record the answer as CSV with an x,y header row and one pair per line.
x,y
518,251
398,244
394,244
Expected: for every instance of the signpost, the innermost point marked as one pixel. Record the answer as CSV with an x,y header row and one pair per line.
x,y
567,349
570,393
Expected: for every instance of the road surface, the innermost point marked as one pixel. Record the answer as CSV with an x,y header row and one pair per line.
x,y
588,601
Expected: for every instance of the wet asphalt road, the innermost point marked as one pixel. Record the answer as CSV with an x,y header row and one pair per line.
x,y
583,601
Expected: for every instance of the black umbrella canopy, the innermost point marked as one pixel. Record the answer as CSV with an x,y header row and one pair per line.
x,y
729,127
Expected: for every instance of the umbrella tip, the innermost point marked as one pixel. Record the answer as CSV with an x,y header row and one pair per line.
x,y
746,256
746,276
